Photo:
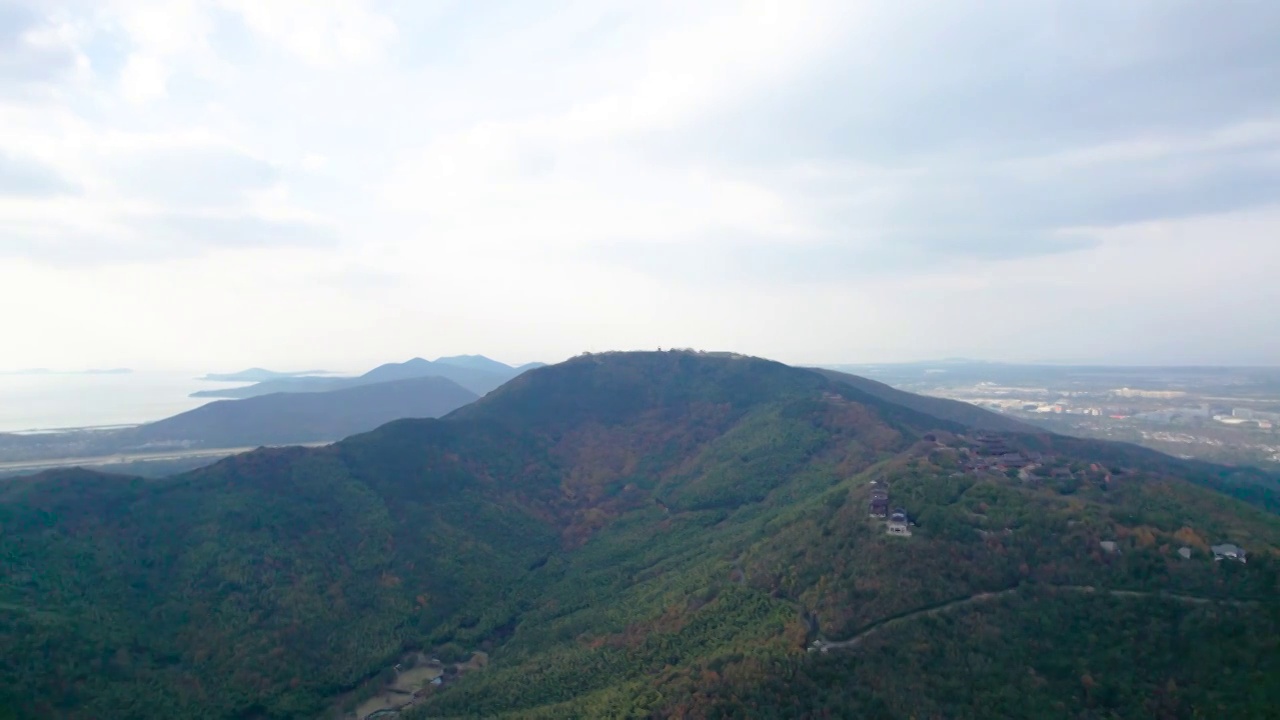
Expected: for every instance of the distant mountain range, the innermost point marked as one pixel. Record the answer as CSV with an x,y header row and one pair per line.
x,y
476,373
275,419
259,375
285,418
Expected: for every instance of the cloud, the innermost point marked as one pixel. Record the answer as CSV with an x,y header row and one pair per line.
x,y
234,231
980,130
732,262
191,175
323,34
917,80
166,42
150,239
150,197
22,177
534,179
31,48
363,279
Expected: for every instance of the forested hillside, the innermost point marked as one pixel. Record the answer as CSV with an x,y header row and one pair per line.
x,y
648,534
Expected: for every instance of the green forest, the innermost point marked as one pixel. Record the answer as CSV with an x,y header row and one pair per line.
x,y
650,535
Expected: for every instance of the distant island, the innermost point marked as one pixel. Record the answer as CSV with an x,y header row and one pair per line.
x,y
47,371
257,374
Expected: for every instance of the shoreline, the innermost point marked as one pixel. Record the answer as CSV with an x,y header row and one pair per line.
x,y
67,430
123,458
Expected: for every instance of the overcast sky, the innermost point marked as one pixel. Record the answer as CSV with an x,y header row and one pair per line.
x,y
338,183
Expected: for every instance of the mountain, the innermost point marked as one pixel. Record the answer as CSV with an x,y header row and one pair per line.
x,y
284,418
475,362
476,379
258,374
276,419
646,535
417,367
473,372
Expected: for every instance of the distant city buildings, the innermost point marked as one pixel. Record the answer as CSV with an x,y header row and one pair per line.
x,y
1245,416
1153,394
1212,414
1250,414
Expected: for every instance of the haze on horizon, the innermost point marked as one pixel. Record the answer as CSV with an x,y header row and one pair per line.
x,y
219,185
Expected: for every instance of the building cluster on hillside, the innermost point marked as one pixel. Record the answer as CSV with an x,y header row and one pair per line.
x,y
992,452
879,500
899,523
1225,551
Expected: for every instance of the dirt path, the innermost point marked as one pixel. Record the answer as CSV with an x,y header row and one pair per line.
x,y
824,645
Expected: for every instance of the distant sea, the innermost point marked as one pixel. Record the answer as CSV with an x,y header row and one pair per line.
x,y
45,402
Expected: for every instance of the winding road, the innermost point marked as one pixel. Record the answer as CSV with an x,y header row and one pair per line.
x,y
825,645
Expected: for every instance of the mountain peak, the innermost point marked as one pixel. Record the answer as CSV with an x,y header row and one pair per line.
x,y
613,385
475,362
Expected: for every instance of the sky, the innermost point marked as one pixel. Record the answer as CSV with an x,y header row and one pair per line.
x,y
298,184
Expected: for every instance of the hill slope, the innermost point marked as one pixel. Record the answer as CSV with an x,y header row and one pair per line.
x,y
652,534
953,410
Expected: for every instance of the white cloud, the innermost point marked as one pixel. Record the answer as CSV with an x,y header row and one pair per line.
x,y
313,162
144,78
167,37
323,34
343,183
